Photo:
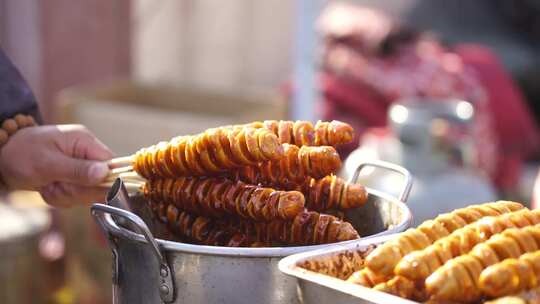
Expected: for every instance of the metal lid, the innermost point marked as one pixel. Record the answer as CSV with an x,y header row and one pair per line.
x,y
16,222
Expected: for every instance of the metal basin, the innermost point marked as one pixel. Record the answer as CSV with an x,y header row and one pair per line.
x,y
315,288
147,269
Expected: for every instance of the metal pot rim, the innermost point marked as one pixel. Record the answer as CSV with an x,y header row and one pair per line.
x,y
172,246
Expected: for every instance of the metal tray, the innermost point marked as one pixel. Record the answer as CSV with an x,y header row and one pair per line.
x,y
315,288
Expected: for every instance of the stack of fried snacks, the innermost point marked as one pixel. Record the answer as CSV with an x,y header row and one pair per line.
x,y
482,252
257,184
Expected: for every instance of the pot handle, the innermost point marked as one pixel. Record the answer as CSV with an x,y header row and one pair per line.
x,y
407,177
166,290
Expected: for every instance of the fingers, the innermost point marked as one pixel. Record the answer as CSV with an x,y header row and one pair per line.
x,y
62,168
94,149
66,195
79,142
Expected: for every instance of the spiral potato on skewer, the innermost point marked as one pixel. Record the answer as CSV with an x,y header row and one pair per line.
x,y
219,197
303,133
211,152
202,230
511,275
418,265
307,228
332,192
295,167
458,279
384,259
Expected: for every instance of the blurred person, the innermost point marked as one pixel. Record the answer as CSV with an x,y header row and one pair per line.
x,y
370,60
64,163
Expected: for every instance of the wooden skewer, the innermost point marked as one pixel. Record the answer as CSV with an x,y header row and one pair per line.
x,y
120,162
126,176
119,171
122,170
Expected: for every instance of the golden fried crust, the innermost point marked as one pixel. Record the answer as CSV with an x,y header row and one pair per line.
x,y
340,132
433,230
220,149
285,134
366,277
307,228
384,259
212,152
247,201
332,192
332,133
398,286
420,264
511,275
202,230
294,167
449,282
302,133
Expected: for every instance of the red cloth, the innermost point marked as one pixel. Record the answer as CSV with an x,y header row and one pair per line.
x,y
516,130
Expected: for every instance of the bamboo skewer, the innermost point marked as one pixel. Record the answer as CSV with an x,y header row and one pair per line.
x,y
120,162
125,175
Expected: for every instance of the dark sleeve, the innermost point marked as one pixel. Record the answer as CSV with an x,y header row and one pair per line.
x,y
15,94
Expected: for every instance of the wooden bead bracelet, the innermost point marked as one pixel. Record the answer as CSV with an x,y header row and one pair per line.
x,y
12,125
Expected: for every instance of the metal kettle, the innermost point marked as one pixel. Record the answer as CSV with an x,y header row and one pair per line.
x,y
420,139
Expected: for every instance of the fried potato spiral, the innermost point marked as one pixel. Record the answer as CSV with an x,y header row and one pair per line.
x,y
219,197
332,133
384,259
213,151
295,167
418,265
202,230
458,279
332,192
307,228
511,275
303,133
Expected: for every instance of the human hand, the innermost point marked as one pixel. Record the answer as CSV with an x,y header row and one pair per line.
x,y
65,163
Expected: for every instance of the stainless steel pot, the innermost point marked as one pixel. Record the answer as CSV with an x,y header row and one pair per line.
x,y
150,270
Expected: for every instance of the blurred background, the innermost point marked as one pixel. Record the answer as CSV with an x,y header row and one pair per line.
x,y
448,89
